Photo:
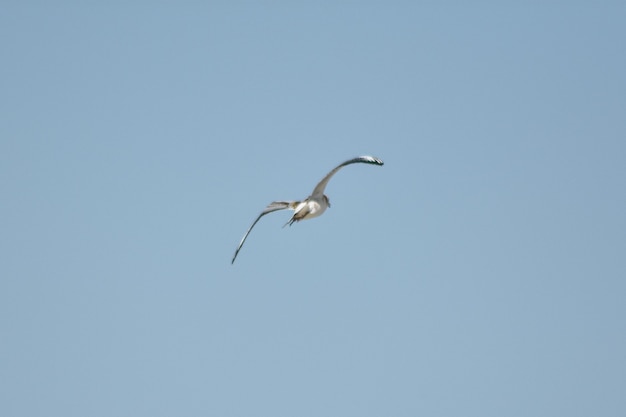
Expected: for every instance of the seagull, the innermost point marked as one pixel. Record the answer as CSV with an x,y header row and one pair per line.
x,y
312,206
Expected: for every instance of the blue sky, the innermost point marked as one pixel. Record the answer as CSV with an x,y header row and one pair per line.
x,y
479,272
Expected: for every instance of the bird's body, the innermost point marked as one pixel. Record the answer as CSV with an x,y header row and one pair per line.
x,y
309,208
312,206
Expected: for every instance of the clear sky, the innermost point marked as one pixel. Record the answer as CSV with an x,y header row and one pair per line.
x,y
480,272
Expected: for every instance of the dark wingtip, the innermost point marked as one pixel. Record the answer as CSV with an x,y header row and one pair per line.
x,y
372,160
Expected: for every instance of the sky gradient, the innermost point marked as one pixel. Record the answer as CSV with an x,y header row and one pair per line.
x,y
480,272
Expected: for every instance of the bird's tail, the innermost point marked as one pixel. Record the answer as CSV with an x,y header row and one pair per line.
x,y
292,206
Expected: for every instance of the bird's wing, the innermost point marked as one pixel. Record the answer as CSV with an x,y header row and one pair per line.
x,y
319,188
273,206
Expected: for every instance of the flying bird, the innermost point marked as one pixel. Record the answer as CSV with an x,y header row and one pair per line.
x,y
312,206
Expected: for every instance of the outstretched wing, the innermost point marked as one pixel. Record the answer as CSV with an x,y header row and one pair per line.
x,y
319,188
273,206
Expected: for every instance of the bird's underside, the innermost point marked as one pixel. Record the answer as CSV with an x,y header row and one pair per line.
x,y
313,206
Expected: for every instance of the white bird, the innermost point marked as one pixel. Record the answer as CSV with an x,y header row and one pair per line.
x,y
312,206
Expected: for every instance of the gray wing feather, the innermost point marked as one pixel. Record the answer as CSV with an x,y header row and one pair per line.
x,y
272,207
321,186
